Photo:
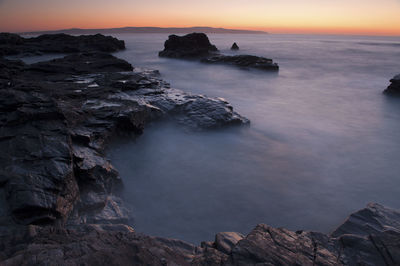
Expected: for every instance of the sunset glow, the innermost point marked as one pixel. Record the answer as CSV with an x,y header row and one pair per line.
x,y
370,17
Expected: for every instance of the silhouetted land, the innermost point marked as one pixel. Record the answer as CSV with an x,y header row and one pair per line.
x,y
148,30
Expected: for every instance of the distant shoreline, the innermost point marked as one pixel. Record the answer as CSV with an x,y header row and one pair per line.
x,y
147,30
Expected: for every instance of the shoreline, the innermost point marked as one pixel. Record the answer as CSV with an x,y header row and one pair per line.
x,y
83,202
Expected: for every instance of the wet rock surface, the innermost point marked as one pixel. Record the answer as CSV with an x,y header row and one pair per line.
x,y
394,87
197,46
243,61
13,44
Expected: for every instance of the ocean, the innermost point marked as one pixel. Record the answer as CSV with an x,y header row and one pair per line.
x,y
323,140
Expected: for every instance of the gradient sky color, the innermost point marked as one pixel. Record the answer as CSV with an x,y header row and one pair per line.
x,y
367,17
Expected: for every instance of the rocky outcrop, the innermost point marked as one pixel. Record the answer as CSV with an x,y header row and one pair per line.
x,y
13,44
243,61
394,88
120,245
197,46
234,47
193,45
56,118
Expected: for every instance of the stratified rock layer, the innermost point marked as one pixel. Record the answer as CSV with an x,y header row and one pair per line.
x,y
394,88
13,44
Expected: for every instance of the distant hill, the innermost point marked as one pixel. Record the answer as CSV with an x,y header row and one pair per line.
x,y
148,30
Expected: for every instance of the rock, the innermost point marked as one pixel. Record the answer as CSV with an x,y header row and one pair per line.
x,y
193,45
79,64
235,46
93,246
270,246
13,44
224,242
374,219
371,236
197,46
56,118
243,61
394,88
89,244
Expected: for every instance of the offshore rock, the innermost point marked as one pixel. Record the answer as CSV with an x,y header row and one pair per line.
x,y
394,88
13,44
235,47
197,46
193,45
243,61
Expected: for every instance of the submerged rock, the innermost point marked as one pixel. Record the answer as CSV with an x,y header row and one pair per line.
x,y
394,88
193,45
13,44
243,61
235,46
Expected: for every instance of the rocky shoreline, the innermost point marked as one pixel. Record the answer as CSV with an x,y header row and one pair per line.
x,y
60,198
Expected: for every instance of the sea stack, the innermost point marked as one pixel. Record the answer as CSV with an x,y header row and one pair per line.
x,y
394,88
193,45
235,47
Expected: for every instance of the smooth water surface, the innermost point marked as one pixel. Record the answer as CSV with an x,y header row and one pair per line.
x,y
323,140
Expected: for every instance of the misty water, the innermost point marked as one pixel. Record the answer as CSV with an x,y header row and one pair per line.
x,y
323,140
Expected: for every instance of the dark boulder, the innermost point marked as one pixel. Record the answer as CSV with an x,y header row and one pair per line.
x,y
394,88
13,44
243,61
193,45
235,46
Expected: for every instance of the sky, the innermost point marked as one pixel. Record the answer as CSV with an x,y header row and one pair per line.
x,y
365,17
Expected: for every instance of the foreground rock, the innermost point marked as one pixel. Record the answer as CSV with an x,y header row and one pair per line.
x,y
394,88
13,44
243,61
197,46
264,245
193,45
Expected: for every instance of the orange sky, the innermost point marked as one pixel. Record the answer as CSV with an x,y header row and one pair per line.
x,y
369,17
